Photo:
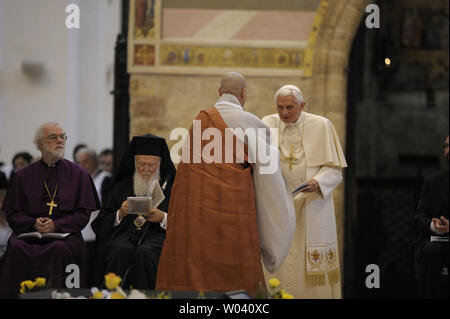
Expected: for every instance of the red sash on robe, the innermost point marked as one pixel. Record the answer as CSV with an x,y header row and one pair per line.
x,y
212,235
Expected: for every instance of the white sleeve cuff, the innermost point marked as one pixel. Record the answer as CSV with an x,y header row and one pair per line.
x,y
117,220
433,229
163,224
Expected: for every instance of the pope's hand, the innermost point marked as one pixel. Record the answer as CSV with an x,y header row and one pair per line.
x,y
154,215
313,186
123,211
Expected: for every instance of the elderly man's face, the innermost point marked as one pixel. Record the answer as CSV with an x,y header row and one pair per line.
x,y
288,109
146,165
54,139
87,162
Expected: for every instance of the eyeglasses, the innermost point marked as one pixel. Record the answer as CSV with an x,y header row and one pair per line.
x,y
54,137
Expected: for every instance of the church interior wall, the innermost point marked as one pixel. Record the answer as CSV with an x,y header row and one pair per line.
x,y
69,73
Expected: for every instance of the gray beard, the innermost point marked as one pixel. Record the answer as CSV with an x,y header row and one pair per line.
x,y
141,186
54,156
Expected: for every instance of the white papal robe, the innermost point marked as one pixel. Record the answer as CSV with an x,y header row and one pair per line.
x,y
311,269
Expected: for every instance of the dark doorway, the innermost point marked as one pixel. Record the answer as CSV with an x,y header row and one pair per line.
x,y
394,133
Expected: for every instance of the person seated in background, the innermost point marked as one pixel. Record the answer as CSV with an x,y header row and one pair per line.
x,y
19,161
106,160
127,244
87,158
75,150
431,219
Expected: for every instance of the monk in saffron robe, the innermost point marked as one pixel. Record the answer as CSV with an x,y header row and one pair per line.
x,y
226,212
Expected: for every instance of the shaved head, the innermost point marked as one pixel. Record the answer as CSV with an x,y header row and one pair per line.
x,y
234,83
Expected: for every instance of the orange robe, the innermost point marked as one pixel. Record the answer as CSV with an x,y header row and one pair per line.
x,y
212,234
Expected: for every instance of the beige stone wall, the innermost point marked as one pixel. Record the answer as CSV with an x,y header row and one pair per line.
x,y
160,103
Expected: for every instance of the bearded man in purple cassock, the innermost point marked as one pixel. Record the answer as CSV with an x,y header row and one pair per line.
x,y
52,195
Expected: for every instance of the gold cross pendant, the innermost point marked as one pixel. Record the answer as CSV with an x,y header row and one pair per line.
x,y
292,159
51,205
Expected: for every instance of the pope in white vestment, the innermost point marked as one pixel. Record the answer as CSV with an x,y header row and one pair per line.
x,y
310,151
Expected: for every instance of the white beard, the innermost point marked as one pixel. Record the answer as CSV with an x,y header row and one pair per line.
x,y
141,186
54,156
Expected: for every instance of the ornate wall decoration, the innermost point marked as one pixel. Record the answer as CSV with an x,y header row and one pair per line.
x,y
144,19
200,38
203,56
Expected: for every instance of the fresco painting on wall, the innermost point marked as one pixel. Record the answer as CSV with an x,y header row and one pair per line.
x,y
196,39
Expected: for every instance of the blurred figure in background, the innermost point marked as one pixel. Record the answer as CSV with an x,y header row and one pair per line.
x,y
87,158
106,160
75,150
21,160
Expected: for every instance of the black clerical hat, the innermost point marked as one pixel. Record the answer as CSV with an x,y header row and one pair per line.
x,y
147,144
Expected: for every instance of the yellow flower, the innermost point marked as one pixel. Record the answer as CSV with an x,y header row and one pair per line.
x,y
112,281
117,295
39,282
274,282
97,295
26,285
287,296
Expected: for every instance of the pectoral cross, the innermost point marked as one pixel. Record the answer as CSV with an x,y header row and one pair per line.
x,y
51,205
292,159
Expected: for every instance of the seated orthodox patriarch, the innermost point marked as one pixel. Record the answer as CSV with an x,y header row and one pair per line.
x,y
129,245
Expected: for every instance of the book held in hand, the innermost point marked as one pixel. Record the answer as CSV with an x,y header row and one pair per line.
x,y
37,234
302,187
144,204
139,204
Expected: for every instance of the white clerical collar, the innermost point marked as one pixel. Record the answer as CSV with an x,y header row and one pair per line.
x,y
49,165
230,100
